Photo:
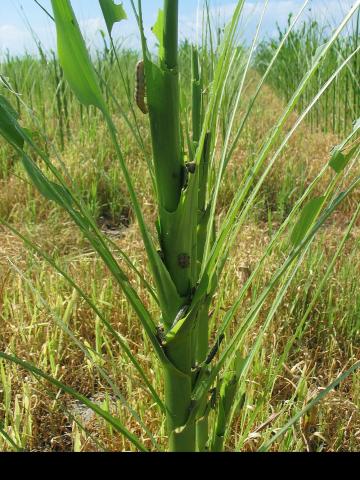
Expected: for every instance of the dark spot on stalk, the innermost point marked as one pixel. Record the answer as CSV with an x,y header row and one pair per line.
x,y
191,167
161,255
193,291
188,168
184,260
312,429
184,177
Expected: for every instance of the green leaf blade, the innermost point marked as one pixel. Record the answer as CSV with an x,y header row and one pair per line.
x,y
158,31
340,160
265,446
74,57
9,127
307,217
112,13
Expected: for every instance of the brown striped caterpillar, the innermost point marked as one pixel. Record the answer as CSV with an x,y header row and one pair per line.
x,y
140,87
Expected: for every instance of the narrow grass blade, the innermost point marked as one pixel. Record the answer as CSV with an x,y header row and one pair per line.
x,y
88,353
95,309
307,217
204,384
229,224
310,405
9,440
115,423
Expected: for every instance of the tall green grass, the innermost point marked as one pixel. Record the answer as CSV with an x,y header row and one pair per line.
x,y
339,107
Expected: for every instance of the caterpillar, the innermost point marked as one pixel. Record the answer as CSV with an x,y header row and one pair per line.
x,y
140,87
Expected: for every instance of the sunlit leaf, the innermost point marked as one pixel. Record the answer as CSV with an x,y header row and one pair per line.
x,y
340,160
74,56
158,31
112,13
9,127
307,217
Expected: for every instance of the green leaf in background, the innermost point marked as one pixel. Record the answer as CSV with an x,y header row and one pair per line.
x,y
74,57
158,31
307,217
9,127
112,13
319,52
339,160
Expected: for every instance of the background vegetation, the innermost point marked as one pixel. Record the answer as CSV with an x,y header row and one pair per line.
x,y
34,299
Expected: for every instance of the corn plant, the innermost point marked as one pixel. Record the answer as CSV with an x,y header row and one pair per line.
x,y
203,364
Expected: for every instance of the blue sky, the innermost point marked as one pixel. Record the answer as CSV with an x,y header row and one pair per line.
x,y
15,34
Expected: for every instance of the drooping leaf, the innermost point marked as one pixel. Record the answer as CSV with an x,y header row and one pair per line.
x,y
9,127
110,419
112,13
48,189
306,219
74,56
15,135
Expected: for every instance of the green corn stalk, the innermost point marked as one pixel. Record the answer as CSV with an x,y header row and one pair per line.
x,y
193,253
225,402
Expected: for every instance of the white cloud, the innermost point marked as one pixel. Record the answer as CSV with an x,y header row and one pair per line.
x,y
91,26
126,31
13,38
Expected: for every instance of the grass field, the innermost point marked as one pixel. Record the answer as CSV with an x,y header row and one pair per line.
x,y
303,350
